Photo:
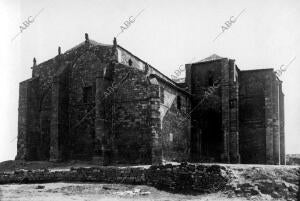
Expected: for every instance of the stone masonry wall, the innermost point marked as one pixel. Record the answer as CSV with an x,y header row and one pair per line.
x,y
282,126
82,81
252,117
206,133
27,126
276,121
37,104
174,107
64,120
59,131
45,73
86,62
131,124
234,153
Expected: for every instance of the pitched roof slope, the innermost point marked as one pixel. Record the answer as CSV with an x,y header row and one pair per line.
x,y
212,57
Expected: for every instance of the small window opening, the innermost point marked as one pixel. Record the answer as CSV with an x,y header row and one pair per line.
x,y
129,62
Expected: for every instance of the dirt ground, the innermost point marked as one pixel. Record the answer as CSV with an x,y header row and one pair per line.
x,y
104,192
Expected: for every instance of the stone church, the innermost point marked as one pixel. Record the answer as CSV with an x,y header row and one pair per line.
x,y
103,103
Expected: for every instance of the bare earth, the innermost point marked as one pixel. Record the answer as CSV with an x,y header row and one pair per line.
x,y
103,192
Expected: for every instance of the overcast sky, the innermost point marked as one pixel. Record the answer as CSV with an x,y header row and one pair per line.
x,y
166,34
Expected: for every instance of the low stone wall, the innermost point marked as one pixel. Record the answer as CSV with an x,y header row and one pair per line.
x,y
188,178
184,177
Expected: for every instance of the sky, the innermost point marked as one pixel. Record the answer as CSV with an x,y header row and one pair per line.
x,y
165,34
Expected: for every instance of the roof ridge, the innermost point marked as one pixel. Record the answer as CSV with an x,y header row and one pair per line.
x,y
212,57
92,42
